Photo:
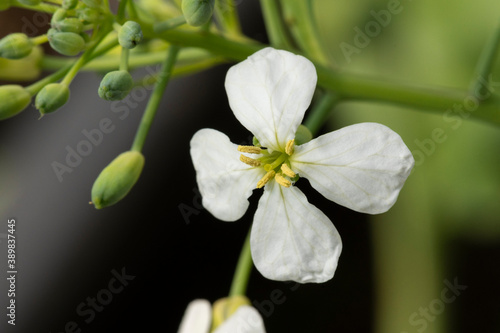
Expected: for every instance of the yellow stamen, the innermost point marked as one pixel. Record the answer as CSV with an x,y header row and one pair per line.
x,y
249,149
289,147
249,161
282,180
267,177
287,171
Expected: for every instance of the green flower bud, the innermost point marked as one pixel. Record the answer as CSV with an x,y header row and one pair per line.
x,y
197,12
66,43
51,97
59,15
130,34
70,24
115,85
30,2
69,4
15,46
117,179
14,100
93,3
303,135
89,15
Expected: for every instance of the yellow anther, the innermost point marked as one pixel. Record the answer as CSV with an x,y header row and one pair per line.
x,y
267,177
287,171
282,180
249,161
249,149
289,147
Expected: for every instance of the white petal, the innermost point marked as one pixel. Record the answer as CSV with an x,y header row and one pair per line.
x,y
245,320
269,93
224,181
197,318
362,167
292,239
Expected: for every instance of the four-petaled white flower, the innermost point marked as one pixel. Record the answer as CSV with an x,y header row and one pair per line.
x,y
362,167
198,319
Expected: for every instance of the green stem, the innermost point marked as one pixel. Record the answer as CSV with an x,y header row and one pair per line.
x,y
243,270
485,64
38,40
154,100
225,12
318,115
124,59
34,88
86,57
274,26
41,7
169,24
120,15
299,17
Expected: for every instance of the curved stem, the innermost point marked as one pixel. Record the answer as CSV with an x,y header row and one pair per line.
x,y
154,100
320,112
274,26
243,270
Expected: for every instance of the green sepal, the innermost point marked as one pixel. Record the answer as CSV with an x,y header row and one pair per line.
x,y
197,12
115,85
117,179
69,4
51,97
302,135
69,24
15,46
14,100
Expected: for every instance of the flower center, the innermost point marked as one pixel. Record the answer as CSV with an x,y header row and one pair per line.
x,y
276,164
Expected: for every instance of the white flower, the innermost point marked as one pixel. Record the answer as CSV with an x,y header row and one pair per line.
x,y
198,319
362,167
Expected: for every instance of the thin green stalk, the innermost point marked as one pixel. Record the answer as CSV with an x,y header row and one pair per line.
x,y
274,26
243,270
299,18
485,65
120,14
154,100
41,7
318,115
38,40
169,24
87,56
226,15
124,59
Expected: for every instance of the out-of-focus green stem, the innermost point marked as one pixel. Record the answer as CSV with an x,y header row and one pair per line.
x,y
274,26
41,7
485,65
320,112
299,18
124,59
225,12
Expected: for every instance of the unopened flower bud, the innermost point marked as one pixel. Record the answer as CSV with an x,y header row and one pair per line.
x,y
69,24
14,99
88,15
116,85
197,12
66,43
51,97
303,135
225,307
15,46
130,34
58,15
117,179
93,3
69,4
